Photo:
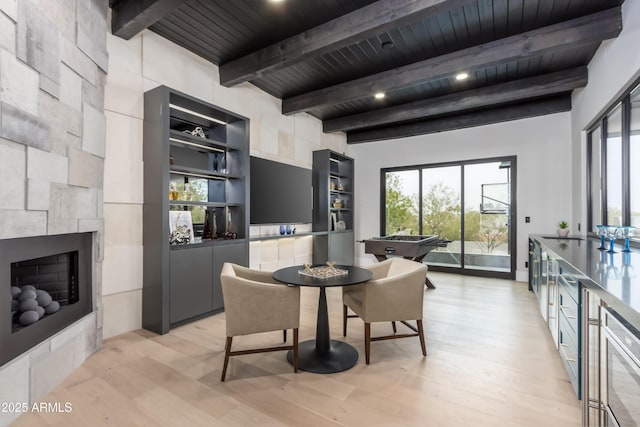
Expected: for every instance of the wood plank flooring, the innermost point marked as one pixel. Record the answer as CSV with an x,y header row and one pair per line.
x,y
490,362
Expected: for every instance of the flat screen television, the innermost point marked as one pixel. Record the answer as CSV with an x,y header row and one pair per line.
x,y
279,193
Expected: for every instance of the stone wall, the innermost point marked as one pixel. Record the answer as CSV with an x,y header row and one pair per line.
x,y
53,64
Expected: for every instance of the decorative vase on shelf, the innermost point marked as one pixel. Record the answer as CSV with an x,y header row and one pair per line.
x,y
282,230
206,232
223,163
288,229
214,224
173,193
186,194
230,234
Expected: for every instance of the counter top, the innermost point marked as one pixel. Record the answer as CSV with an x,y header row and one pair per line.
x,y
615,277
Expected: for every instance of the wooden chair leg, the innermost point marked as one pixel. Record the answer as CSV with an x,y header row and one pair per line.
x,y
367,341
284,335
344,320
227,350
295,350
393,325
421,334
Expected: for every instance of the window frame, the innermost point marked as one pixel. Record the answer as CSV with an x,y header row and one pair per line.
x,y
513,222
601,125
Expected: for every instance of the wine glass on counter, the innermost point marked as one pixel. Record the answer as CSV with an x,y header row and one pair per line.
x,y
626,232
613,232
601,230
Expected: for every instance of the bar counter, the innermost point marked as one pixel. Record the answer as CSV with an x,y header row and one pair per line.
x,y
614,277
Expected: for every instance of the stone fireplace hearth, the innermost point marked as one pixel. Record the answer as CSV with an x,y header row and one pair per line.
x,y
53,65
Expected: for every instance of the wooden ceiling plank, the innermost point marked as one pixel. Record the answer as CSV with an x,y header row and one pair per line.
x,y
363,23
514,24
435,33
529,15
535,108
128,18
472,19
180,32
538,86
501,18
574,33
447,29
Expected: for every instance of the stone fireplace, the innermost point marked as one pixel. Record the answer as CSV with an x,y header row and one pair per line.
x,y
50,288
53,65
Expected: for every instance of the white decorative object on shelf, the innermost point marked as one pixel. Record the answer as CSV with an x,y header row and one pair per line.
x,y
180,228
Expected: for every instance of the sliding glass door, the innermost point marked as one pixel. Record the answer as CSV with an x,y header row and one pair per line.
x,y
486,216
441,212
468,205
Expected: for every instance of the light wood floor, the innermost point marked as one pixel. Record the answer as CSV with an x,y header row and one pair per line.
x,y
490,362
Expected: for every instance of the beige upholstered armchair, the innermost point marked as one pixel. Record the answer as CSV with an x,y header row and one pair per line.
x,y
254,303
395,293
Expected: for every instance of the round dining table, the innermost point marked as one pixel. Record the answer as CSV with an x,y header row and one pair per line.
x,y
323,355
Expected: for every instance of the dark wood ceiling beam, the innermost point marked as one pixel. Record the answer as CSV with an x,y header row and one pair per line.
x,y
129,17
345,30
558,104
538,86
557,38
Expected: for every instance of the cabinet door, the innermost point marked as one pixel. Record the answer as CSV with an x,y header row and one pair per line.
x,y
568,347
534,268
590,332
552,298
543,286
191,283
235,253
341,248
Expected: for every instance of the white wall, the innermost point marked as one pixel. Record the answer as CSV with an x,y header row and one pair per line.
x,y
140,64
543,150
614,67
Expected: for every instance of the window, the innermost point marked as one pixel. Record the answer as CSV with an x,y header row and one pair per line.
x,y
401,210
613,149
467,204
613,153
634,153
595,178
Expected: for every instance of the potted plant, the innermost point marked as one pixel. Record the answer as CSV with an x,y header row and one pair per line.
x,y
563,229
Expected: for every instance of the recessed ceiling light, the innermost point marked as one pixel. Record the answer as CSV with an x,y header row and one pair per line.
x,y
276,1
378,95
462,76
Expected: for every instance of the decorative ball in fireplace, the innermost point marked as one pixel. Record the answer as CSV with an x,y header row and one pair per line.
x,y
30,304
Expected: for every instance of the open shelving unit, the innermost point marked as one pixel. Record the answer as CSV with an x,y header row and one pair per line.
x,y
333,205
196,161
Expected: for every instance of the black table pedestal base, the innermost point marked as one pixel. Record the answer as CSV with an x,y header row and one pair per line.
x,y
340,357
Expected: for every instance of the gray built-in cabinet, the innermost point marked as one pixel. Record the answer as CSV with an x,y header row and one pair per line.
x,y
333,208
204,178
557,288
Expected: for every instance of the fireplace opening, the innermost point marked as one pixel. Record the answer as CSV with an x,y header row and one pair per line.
x,y
45,286
42,287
